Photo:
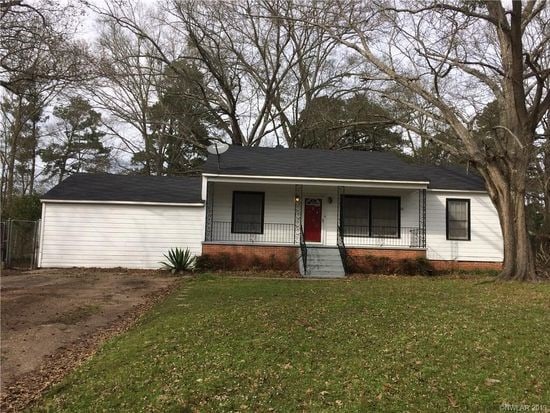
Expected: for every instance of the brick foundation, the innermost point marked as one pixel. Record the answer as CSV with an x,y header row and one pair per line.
x,y
394,254
442,265
284,257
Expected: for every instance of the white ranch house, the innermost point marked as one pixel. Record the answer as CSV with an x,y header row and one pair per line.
x,y
319,206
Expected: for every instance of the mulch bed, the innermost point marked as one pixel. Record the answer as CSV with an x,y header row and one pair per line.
x,y
29,387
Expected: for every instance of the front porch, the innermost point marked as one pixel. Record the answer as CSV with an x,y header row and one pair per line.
x,y
314,215
350,220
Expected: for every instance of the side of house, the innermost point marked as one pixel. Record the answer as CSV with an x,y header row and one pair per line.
x,y
110,221
480,247
116,235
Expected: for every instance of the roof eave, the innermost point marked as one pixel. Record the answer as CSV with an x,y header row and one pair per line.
x,y
152,203
477,190
318,181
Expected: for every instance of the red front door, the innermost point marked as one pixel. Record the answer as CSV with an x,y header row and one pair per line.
x,y
312,220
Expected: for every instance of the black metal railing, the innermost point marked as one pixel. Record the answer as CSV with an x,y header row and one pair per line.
x,y
342,248
270,233
383,236
303,249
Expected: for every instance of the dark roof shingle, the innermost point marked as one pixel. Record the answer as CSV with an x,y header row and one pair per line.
x,y
345,164
127,188
271,162
452,177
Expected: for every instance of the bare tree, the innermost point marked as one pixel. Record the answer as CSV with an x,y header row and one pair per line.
x,y
456,57
36,44
258,74
125,86
38,59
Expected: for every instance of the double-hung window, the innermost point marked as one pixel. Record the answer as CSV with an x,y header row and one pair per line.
x,y
248,213
370,216
458,219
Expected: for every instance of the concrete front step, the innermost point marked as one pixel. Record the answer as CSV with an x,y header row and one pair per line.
x,y
324,257
329,261
324,263
315,250
336,272
319,275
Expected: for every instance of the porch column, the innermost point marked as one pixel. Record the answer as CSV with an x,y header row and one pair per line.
x,y
422,218
339,209
209,224
298,200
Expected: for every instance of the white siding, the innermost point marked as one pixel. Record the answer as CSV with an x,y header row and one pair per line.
x,y
486,238
130,236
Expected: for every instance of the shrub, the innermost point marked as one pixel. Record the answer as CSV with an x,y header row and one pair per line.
x,y
424,267
406,266
387,266
273,262
255,263
370,264
204,262
222,261
241,262
179,260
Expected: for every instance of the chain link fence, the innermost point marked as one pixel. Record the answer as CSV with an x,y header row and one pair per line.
x,y
19,243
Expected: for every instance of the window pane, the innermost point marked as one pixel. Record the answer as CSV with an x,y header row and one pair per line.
x,y
458,219
385,217
364,216
248,212
355,216
458,211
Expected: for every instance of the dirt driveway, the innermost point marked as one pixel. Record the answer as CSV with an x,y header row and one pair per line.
x,y
53,318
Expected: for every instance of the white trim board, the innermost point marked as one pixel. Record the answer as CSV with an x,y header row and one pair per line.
x,y
372,183
466,191
61,201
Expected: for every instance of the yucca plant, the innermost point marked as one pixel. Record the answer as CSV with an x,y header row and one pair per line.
x,y
178,260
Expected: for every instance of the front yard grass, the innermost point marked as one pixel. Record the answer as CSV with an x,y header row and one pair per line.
x,y
380,344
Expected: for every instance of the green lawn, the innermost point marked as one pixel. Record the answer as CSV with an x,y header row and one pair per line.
x,y
386,344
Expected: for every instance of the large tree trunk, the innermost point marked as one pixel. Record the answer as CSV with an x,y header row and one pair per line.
x,y
506,187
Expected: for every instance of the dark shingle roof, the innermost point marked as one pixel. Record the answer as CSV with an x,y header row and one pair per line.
x,y
272,162
127,188
317,163
452,177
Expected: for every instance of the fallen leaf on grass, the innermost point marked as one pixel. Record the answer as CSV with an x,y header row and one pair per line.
x,y
452,400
